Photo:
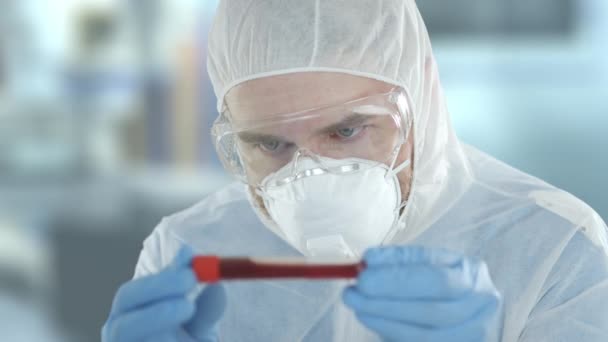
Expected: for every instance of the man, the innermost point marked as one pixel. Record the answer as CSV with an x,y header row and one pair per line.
x,y
334,120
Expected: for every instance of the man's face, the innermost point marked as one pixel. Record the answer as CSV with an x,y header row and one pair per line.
x,y
268,148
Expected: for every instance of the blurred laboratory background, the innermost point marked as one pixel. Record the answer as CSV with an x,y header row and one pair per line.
x,y
105,110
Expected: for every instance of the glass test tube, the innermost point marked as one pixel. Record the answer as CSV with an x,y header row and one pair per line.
x,y
210,269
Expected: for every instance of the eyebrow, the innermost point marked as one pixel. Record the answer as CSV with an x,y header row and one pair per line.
x,y
351,120
251,137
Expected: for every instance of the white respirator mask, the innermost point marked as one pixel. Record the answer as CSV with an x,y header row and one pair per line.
x,y
334,208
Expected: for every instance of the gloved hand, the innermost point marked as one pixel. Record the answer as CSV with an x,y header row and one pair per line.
x,y
155,307
412,293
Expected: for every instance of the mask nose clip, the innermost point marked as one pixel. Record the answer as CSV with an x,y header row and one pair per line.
x,y
303,153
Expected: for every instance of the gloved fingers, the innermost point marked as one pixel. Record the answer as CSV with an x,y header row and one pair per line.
x,y
177,279
165,284
416,281
431,313
158,318
170,336
408,255
481,327
397,331
413,293
210,306
389,330
183,257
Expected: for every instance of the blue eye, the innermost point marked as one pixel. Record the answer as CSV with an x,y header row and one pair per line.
x,y
348,132
270,146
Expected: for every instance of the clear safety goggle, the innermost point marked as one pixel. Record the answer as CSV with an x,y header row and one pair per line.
x,y
372,128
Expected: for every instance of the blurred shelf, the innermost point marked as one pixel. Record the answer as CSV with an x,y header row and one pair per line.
x,y
158,186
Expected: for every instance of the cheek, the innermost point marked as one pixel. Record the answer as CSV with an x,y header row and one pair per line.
x,y
405,176
405,183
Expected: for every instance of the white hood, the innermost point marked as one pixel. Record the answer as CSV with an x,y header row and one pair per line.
x,y
384,40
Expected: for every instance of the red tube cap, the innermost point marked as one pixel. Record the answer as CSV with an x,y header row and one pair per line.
x,y
206,268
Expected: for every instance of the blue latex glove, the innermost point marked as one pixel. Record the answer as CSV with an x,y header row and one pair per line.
x,y
156,308
410,293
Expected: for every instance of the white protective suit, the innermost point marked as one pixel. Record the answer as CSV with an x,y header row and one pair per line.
x,y
547,252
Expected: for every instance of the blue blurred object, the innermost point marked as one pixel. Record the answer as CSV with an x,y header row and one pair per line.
x,y
413,294
537,102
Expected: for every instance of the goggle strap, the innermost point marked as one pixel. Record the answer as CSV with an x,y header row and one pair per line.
x,y
400,168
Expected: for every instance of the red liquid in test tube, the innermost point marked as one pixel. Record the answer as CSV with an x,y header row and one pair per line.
x,y
210,269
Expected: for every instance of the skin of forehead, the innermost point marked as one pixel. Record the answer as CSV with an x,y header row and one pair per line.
x,y
283,94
